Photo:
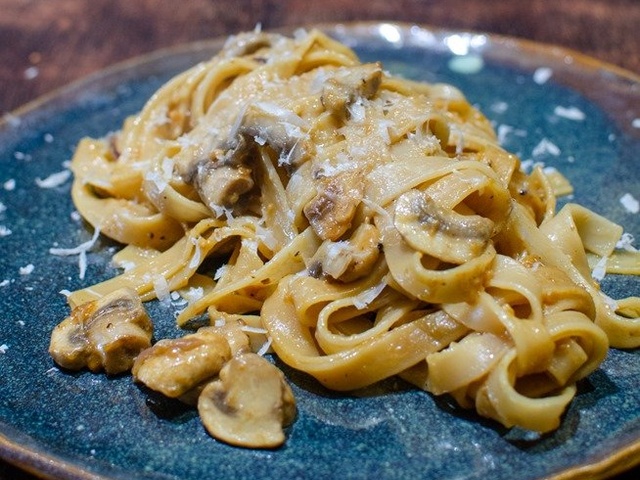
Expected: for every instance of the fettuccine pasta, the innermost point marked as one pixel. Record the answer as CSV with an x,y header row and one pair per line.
x,y
367,225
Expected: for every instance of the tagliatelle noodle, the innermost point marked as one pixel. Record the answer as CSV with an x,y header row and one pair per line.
x,y
372,225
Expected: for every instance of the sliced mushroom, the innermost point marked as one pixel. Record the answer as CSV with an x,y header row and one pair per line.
x,y
441,233
249,404
103,334
174,367
332,209
280,128
221,186
349,260
346,85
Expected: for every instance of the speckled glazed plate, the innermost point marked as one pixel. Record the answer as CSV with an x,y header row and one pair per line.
x,y
548,105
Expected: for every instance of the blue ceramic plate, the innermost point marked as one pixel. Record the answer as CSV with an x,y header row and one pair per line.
x,y
549,106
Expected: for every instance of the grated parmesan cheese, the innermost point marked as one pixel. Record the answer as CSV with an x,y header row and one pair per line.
x,y
197,254
9,185
193,294
542,75
499,107
570,113
600,269
630,204
265,347
4,231
3,348
546,146
54,180
626,243
3,207
4,283
363,299
635,123
81,250
220,272
161,288
27,270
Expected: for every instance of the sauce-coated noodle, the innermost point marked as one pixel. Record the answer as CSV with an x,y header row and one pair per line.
x,y
371,225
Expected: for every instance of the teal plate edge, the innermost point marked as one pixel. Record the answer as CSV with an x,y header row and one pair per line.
x,y
62,425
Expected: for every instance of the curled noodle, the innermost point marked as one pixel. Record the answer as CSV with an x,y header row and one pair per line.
x,y
374,224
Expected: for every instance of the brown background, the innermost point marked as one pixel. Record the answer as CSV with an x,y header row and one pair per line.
x,y
45,44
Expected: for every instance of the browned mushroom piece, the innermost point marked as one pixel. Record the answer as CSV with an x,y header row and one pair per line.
x,y
175,367
441,233
347,85
103,334
349,260
331,211
249,404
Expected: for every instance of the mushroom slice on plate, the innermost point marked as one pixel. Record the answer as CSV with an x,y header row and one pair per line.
x,y
249,404
103,334
176,366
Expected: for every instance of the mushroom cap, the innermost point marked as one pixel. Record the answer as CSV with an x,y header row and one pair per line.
x,y
103,334
173,367
249,404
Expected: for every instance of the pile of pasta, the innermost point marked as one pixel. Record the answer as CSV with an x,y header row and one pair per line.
x,y
371,225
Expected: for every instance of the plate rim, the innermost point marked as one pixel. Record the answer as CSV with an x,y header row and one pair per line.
x,y
46,464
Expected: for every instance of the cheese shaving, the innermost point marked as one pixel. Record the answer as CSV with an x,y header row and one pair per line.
x,y
54,180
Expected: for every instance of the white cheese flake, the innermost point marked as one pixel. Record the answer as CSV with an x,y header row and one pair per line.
x,y
630,204
220,272
499,107
54,180
193,294
570,113
265,347
3,348
503,131
3,207
546,146
81,250
363,299
27,270
626,243
635,123
4,231
197,254
542,75
4,283
161,288
600,269
9,185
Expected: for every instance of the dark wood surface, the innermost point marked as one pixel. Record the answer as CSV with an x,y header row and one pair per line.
x,y
45,44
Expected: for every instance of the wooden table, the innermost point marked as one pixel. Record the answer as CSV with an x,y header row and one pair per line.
x,y
47,44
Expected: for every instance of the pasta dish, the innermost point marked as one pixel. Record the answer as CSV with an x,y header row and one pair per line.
x,y
357,225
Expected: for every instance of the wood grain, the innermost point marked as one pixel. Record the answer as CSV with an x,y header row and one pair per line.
x,y
47,44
